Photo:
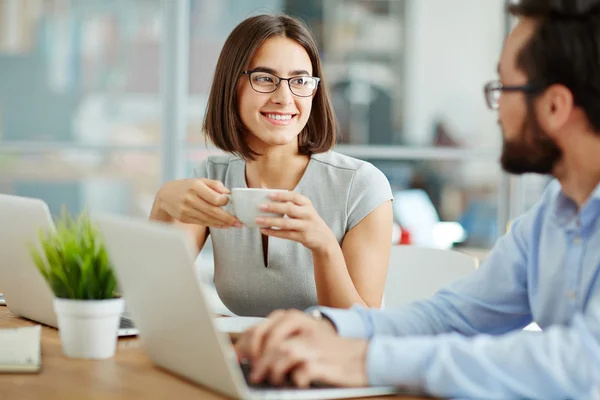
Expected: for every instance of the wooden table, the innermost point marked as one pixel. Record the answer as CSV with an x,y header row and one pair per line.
x,y
129,375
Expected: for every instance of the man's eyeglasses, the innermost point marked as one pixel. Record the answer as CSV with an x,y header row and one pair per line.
x,y
494,89
264,82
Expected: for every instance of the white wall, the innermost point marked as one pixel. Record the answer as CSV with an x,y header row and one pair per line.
x,y
452,49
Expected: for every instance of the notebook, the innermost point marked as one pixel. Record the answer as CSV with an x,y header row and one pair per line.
x,y
234,326
20,349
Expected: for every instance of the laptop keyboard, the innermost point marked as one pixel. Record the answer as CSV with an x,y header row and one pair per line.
x,y
246,371
126,323
246,368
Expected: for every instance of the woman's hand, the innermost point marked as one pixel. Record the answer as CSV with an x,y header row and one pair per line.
x,y
197,201
301,223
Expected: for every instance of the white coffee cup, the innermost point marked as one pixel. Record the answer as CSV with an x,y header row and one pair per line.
x,y
244,204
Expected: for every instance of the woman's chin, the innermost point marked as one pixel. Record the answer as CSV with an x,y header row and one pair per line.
x,y
279,140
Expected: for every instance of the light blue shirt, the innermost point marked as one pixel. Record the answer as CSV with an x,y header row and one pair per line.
x,y
467,340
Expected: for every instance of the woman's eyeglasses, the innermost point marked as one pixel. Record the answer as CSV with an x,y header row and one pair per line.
x,y
264,82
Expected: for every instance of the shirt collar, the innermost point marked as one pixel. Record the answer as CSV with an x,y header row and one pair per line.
x,y
565,209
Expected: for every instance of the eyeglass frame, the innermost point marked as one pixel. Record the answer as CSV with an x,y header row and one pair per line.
x,y
496,85
250,72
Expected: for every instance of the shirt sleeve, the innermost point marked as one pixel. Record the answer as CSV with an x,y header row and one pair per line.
x,y
466,341
369,189
475,304
562,362
348,322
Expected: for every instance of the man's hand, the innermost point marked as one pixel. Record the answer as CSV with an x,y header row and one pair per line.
x,y
314,358
295,344
279,326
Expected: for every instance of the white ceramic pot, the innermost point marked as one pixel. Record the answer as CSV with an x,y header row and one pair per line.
x,y
88,328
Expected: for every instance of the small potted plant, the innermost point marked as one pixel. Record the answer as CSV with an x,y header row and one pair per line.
x,y
75,264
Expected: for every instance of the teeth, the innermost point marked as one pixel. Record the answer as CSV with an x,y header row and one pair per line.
x,y
279,117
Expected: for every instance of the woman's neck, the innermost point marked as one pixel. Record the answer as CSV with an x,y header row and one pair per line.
x,y
276,169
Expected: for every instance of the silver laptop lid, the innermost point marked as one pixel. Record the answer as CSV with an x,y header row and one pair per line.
x,y
178,332
25,291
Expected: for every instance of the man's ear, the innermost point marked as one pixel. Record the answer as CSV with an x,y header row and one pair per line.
x,y
554,108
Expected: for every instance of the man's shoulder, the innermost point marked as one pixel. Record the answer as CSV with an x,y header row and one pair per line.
x,y
553,189
542,211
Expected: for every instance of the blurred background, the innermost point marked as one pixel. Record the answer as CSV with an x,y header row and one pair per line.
x,y
102,100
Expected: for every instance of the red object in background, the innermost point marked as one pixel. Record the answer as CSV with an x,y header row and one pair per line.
x,y
405,237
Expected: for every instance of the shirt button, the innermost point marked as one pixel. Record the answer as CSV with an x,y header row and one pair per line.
x,y
577,240
571,294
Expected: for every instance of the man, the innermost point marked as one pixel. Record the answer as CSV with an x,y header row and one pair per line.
x,y
468,340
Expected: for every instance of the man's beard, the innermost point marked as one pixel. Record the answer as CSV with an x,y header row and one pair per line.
x,y
532,152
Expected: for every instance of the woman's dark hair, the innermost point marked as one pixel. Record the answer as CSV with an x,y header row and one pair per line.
x,y
222,123
564,49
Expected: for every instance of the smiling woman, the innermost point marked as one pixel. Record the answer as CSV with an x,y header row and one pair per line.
x,y
264,80
248,84
282,111
269,110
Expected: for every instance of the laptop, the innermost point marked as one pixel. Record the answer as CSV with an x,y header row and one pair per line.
x,y
25,291
190,345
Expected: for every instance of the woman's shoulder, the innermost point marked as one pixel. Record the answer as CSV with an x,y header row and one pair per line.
x,y
346,171
222,159
215,166
362,185
335,160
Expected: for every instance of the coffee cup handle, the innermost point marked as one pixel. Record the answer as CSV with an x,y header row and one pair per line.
x,y
229,206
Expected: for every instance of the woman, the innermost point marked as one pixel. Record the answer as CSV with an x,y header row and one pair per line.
x,y
270,111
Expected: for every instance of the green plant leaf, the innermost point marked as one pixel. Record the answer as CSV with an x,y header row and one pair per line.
x,y
73,260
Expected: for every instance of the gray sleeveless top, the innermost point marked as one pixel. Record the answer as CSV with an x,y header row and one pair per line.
x,y
342,189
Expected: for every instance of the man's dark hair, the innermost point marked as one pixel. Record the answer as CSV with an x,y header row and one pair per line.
x,y
564,49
